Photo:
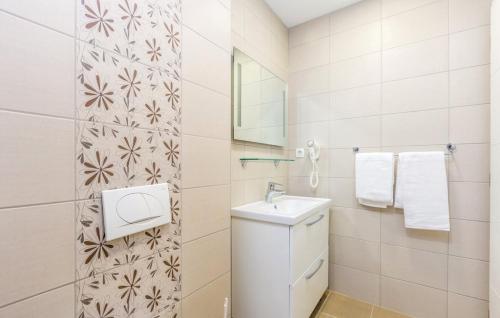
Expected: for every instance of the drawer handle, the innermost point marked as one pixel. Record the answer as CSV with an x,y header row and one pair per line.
x,y
316,221
309,276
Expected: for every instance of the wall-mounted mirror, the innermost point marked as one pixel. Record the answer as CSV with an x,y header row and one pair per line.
x,y
260,108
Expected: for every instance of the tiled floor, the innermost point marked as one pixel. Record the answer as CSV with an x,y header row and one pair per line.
x,y
334,305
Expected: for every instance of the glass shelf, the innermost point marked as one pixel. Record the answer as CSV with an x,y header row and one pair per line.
x,y
275,160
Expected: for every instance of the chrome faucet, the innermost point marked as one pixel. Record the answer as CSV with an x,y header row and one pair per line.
x,y
273,191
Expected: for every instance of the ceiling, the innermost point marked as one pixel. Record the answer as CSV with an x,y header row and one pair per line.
x,y
294,12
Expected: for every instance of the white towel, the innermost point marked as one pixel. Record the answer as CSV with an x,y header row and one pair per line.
x,y
422,190
375,179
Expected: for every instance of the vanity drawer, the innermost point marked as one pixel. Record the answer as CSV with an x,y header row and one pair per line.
x,y
308,240
307,291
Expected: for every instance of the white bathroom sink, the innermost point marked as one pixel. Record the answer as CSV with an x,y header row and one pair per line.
x,y
286,209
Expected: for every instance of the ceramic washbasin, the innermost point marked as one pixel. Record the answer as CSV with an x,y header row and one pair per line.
x,y
288,210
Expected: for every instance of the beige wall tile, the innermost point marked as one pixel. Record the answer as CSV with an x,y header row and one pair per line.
x,y
317,131
415,25
204,211
60,15
470,48
357,254
309,82
465,14
357,132
204,260
415,266
356,102
470,86
205,112
312,108
37,245
412,299
470,162
210,18
209,301
309,55
205,161
415,128
360,224
358,71
301,186
469,239
393,232
470,124
355,283
465,307
417,93
301,167
309,31
57,303
342,192
204,63
469,200
355,15
341,163
25,69
356,42
468,277
392,7
51,177
426,57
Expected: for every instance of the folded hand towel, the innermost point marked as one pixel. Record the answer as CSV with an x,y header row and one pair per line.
x,y
422,190
375,179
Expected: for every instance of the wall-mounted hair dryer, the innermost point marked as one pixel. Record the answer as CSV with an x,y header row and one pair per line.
x,y
314,152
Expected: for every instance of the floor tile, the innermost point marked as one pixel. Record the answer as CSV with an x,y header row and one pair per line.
x,y
341,306
384,313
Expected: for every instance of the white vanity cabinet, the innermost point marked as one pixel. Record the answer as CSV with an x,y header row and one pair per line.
x,y
279,270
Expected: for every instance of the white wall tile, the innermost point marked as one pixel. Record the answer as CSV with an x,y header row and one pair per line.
x,y
468,277
356,132
469,200
204,63
30,54
469,239
417,93
415,128
465,307
426,57
412,299
309,55
210,18
309,31
356,102
466,14
358,254
355,15
470,86
358,71
470,124
415,266
360,224
355,283
415,25
470,48
51,177
355,42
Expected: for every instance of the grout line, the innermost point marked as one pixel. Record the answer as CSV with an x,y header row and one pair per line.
x,y
37,294
205,285
37,23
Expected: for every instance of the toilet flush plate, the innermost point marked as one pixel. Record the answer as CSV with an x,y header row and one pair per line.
x,y
135,209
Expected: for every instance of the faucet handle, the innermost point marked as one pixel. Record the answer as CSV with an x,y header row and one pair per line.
x,y
271,186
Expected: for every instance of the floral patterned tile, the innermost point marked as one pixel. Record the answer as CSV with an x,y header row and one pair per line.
x,y
114,89
113,156
147,288
95,255
148,31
